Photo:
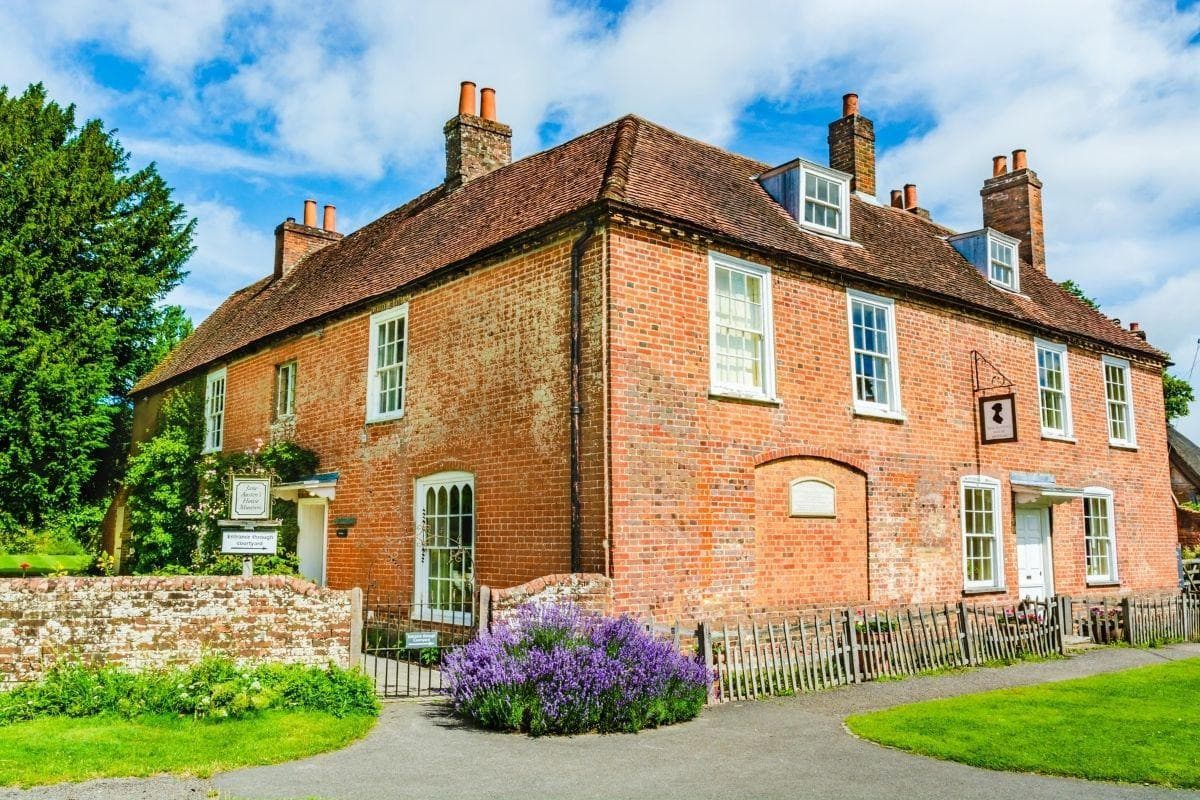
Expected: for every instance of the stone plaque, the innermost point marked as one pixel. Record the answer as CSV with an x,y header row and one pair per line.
x,y
997,419
812,497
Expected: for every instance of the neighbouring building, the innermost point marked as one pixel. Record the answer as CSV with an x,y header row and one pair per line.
x,y
1185,485
725,384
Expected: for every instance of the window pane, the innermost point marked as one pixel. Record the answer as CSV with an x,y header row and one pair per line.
x,y
872,353
740,330
980,529
1051,390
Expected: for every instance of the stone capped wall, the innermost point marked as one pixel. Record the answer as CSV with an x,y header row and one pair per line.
x,y
589,591
149,622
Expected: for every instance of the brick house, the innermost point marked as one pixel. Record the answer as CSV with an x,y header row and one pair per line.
x,y
726,385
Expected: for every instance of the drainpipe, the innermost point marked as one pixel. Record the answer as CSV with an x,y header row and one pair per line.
x,y
577,398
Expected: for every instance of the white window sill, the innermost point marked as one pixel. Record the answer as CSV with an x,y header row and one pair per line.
x,y
208,451
717,393
1122,445
990,589
1097,582
877,412
1059,437
385,418
442,617
825,233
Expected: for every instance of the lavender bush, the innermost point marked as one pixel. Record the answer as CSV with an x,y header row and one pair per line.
x,y
554,669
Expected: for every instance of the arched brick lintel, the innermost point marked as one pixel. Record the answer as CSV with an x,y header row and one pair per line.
x,y
826,453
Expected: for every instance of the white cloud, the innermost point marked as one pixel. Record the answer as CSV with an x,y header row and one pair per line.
x,y
230,254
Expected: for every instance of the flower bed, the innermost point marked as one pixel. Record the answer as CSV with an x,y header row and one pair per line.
x,y
555,669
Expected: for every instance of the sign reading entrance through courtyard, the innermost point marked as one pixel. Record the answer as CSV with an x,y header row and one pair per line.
x,y
250,498
997,419
249,542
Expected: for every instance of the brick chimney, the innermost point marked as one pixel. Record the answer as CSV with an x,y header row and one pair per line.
x,y
852,146
475,144
294,241
1012,204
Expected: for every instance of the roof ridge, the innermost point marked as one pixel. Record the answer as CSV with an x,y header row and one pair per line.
x,y
616,171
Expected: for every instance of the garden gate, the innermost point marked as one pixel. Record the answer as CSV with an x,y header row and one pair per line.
x,y
403,643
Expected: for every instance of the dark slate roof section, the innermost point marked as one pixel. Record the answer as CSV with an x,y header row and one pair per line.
x,y
1185,451
632,164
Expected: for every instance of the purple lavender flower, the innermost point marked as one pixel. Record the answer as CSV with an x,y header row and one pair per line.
x,y
555,669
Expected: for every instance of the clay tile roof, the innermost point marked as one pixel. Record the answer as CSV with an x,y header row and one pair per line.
x,y
637,165
1185,451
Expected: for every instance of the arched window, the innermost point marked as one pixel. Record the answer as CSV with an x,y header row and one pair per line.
x,y
444,573
812,497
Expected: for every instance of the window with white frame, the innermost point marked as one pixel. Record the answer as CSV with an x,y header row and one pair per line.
x,y
740,328
823,201
285,390
1002,263
1118,398
873,354
214,411
444,585
983,553
386,369
1054,389
1099,536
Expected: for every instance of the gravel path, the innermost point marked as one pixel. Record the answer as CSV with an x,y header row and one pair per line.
x,y
790,747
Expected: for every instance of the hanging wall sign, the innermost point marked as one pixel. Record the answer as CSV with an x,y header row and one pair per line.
x,y
997,419
250,498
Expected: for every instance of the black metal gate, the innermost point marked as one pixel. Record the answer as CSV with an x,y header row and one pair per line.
x,y
404,643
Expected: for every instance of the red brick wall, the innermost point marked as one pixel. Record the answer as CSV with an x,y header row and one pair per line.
x,y
487,392
685,511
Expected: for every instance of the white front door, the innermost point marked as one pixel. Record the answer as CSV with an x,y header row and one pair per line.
x,y
310,541
1033,553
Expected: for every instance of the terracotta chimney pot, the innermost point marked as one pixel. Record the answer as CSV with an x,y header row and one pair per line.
x,y
849,104
466,99
910,196
1133,326
1019,161
487,103
330,223
999,166
897,198
310,213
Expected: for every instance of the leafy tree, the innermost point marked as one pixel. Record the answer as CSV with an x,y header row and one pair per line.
x,y
87,250
1177,393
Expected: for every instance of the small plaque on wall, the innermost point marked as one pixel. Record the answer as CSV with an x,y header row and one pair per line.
x,y
997,419
812,497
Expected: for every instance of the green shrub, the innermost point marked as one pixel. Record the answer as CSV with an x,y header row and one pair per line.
x,y
215,688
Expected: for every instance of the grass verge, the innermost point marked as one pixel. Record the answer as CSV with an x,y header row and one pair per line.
x,y
55,749
42,564
1135,726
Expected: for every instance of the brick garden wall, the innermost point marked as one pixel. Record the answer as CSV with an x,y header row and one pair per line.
x,y
148,622
590,591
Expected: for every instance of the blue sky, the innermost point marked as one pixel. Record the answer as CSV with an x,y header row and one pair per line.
x,y
248,108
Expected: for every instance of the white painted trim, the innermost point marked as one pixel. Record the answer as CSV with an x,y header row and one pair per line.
x,y
398,312
1129,443
420,574
1043,513
895,409
1107,494
767,394
997,584
312,501
1068,420
210,379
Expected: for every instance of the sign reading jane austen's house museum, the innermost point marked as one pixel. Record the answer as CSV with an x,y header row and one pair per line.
x,y
250,498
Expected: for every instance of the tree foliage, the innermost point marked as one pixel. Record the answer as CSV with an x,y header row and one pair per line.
x,y
1177,393
87,250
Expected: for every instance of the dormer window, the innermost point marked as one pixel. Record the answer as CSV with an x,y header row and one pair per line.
x,y
817,197
1002,261
992,253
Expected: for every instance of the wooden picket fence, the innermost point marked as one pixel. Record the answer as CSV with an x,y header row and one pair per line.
x,y
1137,620
762,656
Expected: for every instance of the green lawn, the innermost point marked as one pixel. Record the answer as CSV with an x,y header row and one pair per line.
x,y
1137,726
41,564
57,749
